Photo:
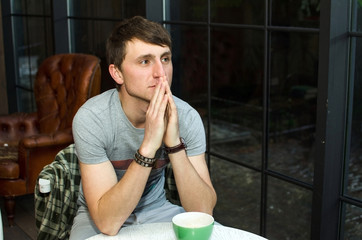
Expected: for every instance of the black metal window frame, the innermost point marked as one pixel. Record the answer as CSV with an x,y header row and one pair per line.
x,y
326,222
267,29
352,36
11,63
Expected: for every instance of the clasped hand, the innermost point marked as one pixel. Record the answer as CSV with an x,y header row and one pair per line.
x,y
161,120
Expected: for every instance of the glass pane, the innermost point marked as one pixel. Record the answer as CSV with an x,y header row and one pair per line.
x,y
189,59
28,66
26,100
39,7
188,10
353,223
298,13
236,83
289,209
40,38
355,161
238,12
21,52
238,190
18,6
89,36
115,9
293,100
32,47
358,23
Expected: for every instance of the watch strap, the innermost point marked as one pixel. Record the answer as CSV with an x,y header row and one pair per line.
x,y
177,148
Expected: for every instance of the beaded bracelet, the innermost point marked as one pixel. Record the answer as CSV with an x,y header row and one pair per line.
x,y
144,161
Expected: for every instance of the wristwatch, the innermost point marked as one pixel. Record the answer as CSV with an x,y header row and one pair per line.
x,y
177,148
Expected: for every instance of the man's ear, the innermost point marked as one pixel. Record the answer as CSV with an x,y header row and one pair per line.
x,y
115,74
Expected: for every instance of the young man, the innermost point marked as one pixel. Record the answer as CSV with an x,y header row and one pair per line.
x,y
124,138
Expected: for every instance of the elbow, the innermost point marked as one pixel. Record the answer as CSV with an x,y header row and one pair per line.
x,y
110,228
212,204
206,206
202,208
110,231
209,210
106,223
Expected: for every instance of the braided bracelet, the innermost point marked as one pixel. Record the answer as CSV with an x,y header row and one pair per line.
x,y
144,161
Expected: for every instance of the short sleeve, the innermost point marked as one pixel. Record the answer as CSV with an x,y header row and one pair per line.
x,y
89,137
193,131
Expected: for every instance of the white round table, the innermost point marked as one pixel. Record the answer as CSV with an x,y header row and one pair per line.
x,y
164,231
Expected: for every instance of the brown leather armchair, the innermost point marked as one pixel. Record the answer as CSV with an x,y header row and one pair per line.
x,y
63,83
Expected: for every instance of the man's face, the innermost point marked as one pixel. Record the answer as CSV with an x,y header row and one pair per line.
x,y
142,68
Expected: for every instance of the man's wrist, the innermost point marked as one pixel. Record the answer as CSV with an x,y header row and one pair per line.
x,y
147,152
144,161
174,149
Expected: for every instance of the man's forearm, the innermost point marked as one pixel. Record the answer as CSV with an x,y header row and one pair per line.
x,y
195,188
116,205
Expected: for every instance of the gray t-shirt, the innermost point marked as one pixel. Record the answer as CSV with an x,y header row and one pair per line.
x,y
102,132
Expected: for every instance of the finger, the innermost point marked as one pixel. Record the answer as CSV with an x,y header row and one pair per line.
x,y
171,102
160,96
157,107
163,106
155,95
168,89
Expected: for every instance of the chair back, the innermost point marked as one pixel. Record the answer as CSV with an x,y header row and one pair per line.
x,y
54,211
63,83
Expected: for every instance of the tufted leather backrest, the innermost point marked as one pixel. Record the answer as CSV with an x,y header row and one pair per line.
x,y
63,83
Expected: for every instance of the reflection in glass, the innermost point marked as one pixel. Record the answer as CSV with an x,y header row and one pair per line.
x,y
37,7
92,23
116,9
293,99
352,222
355,160
90,36
299,13
288,211
189,58
31,48
188,10
21,45
238,12
26,100
238,190
40,37
357,24
236,104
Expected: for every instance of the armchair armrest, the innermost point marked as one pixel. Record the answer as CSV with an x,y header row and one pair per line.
x,y
16,126
38,151
45,140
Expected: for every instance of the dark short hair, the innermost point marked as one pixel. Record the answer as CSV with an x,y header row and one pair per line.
x,y
134,28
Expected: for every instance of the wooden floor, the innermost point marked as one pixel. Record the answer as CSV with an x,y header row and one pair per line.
x,y
24,228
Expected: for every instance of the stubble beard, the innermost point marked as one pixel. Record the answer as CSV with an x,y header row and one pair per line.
x,y
136,96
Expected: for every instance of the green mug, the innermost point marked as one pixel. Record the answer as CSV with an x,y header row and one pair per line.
x,y
193,226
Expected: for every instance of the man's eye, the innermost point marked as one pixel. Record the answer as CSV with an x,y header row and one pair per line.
x,y
144,62
166,59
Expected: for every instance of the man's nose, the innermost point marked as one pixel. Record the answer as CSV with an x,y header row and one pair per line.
x,y
158,69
